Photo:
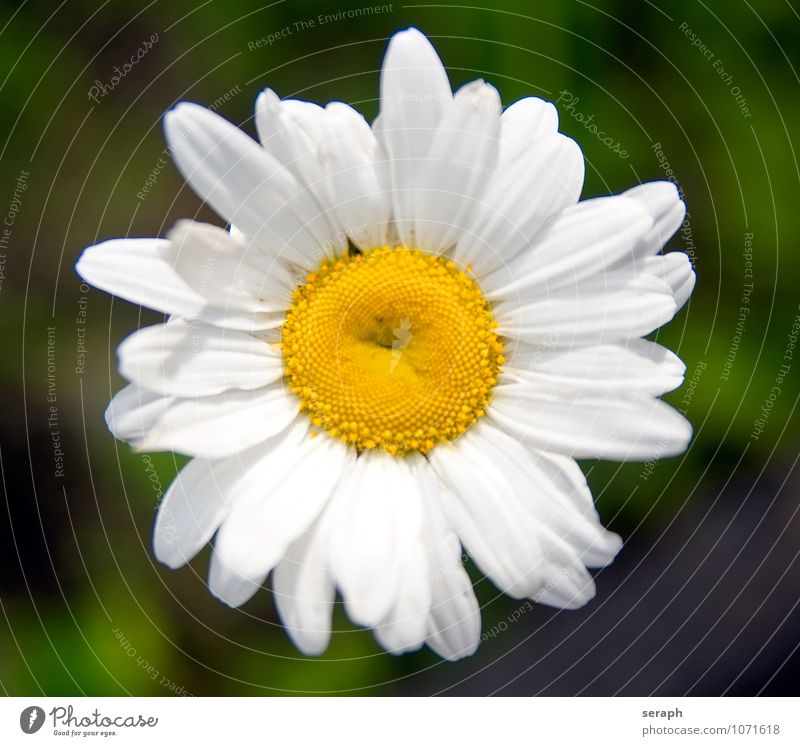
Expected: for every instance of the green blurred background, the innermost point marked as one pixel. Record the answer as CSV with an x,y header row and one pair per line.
x,y
702,600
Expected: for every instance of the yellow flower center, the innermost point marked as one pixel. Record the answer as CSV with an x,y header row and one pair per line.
x,y
393,348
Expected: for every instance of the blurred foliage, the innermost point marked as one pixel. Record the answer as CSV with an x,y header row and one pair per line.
x,y
629,65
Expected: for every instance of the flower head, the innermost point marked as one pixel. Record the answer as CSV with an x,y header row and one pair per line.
x,y
395,353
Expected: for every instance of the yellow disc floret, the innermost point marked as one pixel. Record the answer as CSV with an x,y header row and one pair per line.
x,y
393,348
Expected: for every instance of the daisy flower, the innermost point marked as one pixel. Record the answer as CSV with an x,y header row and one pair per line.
x,y
391,359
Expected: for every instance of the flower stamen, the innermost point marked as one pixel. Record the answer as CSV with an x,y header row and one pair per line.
x,y
393,349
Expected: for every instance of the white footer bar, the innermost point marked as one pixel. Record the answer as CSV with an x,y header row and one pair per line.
x,y
389,721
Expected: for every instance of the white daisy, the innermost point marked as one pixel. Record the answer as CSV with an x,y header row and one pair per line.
x,y
393,357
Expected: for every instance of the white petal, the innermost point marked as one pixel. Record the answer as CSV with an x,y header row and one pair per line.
x,y
133,412
415,95
674,268
137,270
497,531
567,538
194,359
570,482
292,131
378,521
525,122
225,581
230,587
454,623
284,493
194,506
226,272
634,428
249,187
614,307
663,201
357,177
684,292
460,162
304,590
243,321
335,154
548,486
584,241
141,271
658,197
405,628
637,365
221,425
569,585
524,195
